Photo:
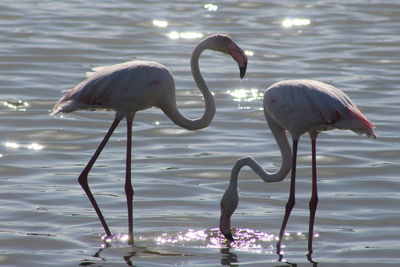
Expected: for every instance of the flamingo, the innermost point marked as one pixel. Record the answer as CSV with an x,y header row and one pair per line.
x,y
296,106
137,85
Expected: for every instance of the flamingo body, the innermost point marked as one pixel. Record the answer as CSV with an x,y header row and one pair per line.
x,y
125,87
137,85
296,106
301,106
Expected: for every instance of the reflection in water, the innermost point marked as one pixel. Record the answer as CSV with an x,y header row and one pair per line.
x,y
228,257
290,22
184,35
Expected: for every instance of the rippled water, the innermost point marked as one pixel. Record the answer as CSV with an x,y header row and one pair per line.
x,y
179,175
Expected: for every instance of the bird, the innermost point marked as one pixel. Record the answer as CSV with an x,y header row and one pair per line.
x,y
297,107
129,87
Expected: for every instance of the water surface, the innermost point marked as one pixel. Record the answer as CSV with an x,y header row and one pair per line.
x,y
179,176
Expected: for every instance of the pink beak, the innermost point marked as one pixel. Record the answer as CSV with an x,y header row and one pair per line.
x,y
239,56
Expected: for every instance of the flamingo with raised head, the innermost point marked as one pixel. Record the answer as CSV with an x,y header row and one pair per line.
x,y
137,85
296,106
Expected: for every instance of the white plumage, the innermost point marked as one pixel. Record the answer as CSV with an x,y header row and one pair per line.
x,y
296,106
126,87
136,85
301,106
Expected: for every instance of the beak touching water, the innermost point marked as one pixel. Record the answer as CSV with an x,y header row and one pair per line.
x,y
225,226
239,56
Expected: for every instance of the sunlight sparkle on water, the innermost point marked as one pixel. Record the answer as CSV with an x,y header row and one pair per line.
x,y
31,146
160,23
34,146
11,145
245,240
184,35
249,53
190,236
17,105
211,7
290,22
246,95
116,240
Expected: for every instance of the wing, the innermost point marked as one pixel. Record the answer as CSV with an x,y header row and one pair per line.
x,y
304,105
128,86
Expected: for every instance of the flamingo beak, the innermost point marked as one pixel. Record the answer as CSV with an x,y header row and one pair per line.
x,y
239,56
243,70
229,237
225,227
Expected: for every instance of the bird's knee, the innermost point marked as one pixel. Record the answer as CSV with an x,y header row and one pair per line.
x,y
313,203
290,204
83,180
129,190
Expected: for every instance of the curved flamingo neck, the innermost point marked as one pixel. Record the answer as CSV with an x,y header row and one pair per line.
x,y
268,177
209,112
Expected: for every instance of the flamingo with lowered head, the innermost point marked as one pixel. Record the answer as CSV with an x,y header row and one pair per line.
x,y
296,106
137,85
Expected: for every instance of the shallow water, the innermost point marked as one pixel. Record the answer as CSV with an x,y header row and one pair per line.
x,y
179,176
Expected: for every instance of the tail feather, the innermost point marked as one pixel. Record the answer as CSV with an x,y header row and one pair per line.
x,y
66,103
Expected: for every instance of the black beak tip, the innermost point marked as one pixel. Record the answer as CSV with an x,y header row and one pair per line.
x,y
242,71
229,237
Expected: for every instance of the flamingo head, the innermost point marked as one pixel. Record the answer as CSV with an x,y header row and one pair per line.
x,y
224,43
229,203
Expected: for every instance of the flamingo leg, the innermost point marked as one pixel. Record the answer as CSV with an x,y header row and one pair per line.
x,y
291,201
128,183
83,177
314,196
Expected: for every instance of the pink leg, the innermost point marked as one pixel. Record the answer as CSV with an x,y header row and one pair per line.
x,y
83,178
314,196
291,201
128,184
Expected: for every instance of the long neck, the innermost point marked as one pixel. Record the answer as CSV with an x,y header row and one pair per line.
x,y
268,177
194,124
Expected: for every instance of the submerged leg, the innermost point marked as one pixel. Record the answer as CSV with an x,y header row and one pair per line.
x,y
291,201
314,196
83,177
128,182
